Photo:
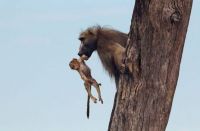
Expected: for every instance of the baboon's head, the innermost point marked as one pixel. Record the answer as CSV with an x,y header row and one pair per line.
x,y
74,64
88,40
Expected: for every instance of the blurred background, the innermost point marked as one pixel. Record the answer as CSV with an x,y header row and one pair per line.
x,y
39,92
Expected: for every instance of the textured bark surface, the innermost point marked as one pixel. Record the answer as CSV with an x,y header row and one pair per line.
x,y
156,40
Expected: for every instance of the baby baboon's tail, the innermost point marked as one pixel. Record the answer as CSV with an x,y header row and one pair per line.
x,y
88,107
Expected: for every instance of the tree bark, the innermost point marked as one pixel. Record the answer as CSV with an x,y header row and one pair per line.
x,y
157,34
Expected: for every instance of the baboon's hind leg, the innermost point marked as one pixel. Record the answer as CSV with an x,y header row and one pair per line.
x,y
88,89
96,85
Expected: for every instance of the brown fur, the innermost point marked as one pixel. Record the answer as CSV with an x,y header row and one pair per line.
x,y
110,46
85,73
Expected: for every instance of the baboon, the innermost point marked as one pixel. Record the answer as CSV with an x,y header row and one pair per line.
x,y
110,45
85,73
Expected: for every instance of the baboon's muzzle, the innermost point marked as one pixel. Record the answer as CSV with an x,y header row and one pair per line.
x,y
88,54
86,51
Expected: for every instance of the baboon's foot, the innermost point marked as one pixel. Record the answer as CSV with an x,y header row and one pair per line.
x,y
94,99
125,69
100,99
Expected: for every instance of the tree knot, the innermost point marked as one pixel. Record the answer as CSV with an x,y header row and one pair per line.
x,y
175,17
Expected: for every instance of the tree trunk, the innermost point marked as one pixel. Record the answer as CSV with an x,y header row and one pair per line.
x,y
153,55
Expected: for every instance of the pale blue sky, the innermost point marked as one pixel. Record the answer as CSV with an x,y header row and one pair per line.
x,y
38,91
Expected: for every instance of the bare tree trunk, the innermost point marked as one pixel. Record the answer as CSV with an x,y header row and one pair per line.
x,y
156,40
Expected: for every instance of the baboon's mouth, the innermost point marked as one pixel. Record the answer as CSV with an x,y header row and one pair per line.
x,y
85,57
86,51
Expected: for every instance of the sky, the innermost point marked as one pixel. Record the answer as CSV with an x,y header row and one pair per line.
x,y
39,92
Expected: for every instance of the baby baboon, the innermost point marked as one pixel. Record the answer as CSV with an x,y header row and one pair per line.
x,y
85,73
109,44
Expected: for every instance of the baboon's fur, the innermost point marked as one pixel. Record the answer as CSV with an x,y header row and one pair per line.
x,y
85,73
110,45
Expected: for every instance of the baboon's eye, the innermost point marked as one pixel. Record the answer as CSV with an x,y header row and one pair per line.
x,y
81,38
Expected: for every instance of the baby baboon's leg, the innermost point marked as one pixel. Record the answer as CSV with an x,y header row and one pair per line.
x,y
88,89
96,85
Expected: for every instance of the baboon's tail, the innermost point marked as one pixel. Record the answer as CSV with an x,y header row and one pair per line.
x,y
88,107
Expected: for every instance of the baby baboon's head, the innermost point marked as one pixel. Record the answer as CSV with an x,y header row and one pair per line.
x,y
88,40
74,64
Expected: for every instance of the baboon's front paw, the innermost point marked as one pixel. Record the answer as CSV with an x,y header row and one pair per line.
x,y
122,68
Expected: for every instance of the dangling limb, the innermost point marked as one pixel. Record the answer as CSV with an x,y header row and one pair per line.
x,y
88,89
96,85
